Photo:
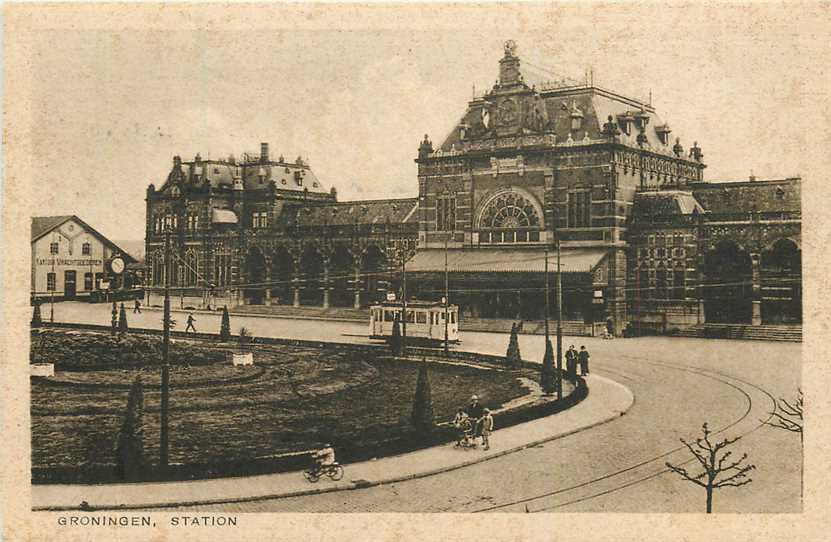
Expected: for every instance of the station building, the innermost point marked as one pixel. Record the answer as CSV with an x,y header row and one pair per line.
x,y
644,240
70,260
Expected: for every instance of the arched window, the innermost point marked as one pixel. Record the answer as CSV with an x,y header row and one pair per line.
x,y
190,270
157,269
86,249
509,218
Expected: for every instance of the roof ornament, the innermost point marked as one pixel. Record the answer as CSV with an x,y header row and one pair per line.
x,y
510,48
677,148
425,148
610,128
642,136
695,152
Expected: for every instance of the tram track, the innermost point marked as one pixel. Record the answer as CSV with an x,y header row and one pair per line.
x,y
707,373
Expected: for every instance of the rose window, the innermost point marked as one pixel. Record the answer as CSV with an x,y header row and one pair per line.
x,y
509,218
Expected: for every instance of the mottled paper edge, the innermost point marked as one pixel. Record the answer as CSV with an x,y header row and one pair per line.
x,y
20,199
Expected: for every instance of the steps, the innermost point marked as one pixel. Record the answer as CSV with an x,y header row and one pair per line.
x,y
787,333
572,328
288,311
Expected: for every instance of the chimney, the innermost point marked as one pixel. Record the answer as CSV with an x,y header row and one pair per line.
x,y
263,152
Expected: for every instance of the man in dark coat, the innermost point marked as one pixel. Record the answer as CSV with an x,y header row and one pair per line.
x,y
475,411
583,358
571,362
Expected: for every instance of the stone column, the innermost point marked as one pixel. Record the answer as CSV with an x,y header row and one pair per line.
x,y
325,283
357,287
756,315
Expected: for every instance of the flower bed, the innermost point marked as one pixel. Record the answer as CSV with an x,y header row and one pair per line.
x,y
81,351
357,398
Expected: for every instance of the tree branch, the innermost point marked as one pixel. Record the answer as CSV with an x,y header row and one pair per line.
x,y
684,474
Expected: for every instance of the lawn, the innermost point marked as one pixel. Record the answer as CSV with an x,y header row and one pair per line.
x,y
302,398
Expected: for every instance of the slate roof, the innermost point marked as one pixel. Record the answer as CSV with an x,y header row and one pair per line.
x,y
398,211
666,202
41,225
293,177
773,195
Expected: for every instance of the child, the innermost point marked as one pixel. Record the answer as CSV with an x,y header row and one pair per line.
x,y
487,427
459,424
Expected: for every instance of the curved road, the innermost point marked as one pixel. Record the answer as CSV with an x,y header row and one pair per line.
x,y
678,385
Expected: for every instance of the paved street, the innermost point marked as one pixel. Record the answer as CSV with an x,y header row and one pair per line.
x,y
678,385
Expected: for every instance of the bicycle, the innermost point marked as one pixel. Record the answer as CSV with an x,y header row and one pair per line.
x,y
333,471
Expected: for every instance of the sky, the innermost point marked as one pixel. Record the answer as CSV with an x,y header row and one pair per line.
x,y
111,107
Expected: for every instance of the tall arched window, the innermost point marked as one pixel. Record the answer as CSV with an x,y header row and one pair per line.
x,y
190,270
509,218
157,269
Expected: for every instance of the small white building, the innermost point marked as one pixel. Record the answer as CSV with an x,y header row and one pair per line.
x,y
70,259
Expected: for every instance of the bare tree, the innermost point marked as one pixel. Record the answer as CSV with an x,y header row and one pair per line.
x,y
788,415
707,454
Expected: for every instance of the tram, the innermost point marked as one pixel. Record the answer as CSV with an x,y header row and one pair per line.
x,y
425,321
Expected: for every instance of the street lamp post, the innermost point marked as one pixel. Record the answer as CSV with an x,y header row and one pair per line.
x,y
403,298
547,294
52,292
163,438
446,298
559,321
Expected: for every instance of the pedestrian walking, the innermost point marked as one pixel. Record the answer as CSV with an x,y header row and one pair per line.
x,y
137,307
190,325
583,357
571,362
487,427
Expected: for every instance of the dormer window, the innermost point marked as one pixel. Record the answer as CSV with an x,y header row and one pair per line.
x,y
298,178
625,122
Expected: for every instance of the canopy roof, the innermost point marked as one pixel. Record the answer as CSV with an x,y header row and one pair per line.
x,y
223,216
504,260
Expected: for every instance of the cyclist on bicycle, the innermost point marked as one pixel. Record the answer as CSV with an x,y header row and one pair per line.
x,y
324,458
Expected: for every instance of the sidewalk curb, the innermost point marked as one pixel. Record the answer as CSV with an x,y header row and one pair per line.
x,y
361,484
259,315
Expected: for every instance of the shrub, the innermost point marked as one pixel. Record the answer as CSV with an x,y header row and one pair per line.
x,y
122,320
422,416
36,321
130,447
225,326
513,357
114,320
547,370
395,340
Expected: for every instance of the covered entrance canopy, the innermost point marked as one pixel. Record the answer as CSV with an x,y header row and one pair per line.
x,y
504,260
507,283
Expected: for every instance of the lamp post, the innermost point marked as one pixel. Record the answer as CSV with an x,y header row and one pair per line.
x,y
447,285
52,292
559,320
163,437
446,299
403,298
